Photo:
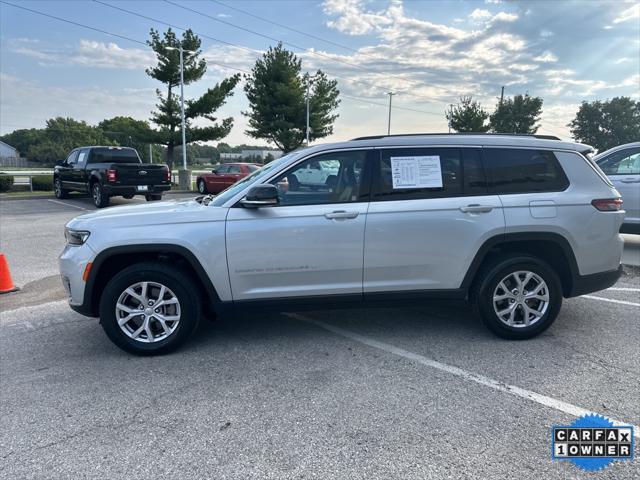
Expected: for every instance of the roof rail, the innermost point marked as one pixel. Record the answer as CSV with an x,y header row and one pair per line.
x,y
376,137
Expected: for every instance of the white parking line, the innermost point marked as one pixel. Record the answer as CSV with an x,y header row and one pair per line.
x,y
68,205
459,372
623,289
611,300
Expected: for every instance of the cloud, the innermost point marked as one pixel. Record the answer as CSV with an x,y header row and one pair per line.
x,y
480,14
87,53
546,57
352,20
622,60
504,17
628,14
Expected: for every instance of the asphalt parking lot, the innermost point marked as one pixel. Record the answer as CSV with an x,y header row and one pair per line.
x,y
420,392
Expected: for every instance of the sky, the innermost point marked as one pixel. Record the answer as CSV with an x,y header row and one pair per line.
x,y
429,53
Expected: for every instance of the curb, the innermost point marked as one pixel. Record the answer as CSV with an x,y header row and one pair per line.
x,y
4,196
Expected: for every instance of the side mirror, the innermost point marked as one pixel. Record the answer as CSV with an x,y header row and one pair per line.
x,y
215,170
265,195
60,163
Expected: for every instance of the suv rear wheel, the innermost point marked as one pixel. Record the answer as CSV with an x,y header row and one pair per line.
x,y
149,309
518,297
100,199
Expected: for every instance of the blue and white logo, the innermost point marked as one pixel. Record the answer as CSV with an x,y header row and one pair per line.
x,y
592,442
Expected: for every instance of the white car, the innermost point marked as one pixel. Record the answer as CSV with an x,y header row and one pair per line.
x,y
321,173
510,223
622,165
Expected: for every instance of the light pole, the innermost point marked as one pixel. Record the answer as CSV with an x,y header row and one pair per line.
x,y
185,179
451,105
391,94
307,113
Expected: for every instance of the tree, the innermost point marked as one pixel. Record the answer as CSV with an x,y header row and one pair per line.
x,y
606,124
517,115
128,132
167,71
276,91
468,116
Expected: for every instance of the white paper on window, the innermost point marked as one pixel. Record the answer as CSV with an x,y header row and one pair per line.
x,y
81,157
416,172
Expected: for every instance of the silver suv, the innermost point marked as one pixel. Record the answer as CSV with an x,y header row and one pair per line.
x,y
511,223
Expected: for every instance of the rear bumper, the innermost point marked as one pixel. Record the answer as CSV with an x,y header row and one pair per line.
x,y
583,284
133,189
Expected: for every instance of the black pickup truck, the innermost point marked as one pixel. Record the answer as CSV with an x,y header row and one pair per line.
x,y
105,172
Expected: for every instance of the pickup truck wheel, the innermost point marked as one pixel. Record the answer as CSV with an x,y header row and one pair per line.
x,y
153,197
149,308
202,187
58,190
518,297
100,199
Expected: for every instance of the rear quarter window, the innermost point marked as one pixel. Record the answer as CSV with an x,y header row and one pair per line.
x,y
514,170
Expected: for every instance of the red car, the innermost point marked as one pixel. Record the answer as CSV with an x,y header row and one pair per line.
x,y
224,176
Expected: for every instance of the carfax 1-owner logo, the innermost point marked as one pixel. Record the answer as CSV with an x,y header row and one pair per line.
x,y
592,442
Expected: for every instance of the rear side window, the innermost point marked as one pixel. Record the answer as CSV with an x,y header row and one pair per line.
x,y
113,155
422,173
511,170
625,162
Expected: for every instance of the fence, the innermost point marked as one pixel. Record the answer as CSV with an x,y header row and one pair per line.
x,y
16,162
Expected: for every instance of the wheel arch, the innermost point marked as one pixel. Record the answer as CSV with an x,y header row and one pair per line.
x,y
550,247
120,257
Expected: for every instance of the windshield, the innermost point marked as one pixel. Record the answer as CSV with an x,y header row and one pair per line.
x,y
233,190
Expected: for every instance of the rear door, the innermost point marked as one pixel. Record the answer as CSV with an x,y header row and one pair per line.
x,y
623,169
233,175
429,215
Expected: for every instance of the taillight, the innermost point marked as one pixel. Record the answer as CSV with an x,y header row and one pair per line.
x,y
112,175
607,204
167,174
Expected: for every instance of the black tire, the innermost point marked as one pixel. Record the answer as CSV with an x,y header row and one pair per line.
x,y
128,197
153,197
489,277
100,198
294,184
58,190
202,187
175,280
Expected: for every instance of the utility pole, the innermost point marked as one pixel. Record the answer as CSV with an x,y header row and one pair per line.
x,y
451,105
501,96
391,94
307,112
150,153
184,134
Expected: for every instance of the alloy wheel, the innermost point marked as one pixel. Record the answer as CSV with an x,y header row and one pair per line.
x,y
521,299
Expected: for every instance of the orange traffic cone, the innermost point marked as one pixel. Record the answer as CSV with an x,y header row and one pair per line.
x,y
6,284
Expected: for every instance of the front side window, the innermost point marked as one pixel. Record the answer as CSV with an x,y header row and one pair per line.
x,y
336,177
222,169
626,162
511,170
73,157
234,168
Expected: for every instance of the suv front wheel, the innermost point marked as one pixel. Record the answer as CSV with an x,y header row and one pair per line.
x,y
518,297
149,309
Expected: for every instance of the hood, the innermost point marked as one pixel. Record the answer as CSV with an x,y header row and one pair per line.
x,y
150,213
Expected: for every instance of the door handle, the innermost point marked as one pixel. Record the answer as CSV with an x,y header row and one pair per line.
x,y
476,208
630,180
340,215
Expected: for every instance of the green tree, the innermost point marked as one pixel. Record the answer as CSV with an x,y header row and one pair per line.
x,y
276,91
60,136
167,71
517,115
128,132
606,124
468,116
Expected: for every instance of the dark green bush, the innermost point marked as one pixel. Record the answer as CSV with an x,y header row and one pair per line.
x,y
6,182
42,183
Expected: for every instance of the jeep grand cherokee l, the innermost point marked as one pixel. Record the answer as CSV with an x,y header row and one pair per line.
x,y
510,223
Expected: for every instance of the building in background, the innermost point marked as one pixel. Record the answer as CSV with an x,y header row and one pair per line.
x,y
7,151
260,155
230,157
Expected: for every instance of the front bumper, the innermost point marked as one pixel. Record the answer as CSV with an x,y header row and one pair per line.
x,y
72,262
583,284
116,190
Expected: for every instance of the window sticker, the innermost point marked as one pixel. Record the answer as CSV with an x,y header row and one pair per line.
x,y
416,172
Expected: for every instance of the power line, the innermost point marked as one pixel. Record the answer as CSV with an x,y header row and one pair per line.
x,y
293,45
242,47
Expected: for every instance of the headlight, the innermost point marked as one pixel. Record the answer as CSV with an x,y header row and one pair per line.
x,y
76,237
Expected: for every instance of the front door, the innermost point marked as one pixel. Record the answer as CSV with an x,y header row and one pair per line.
x,y
429,215
311,244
